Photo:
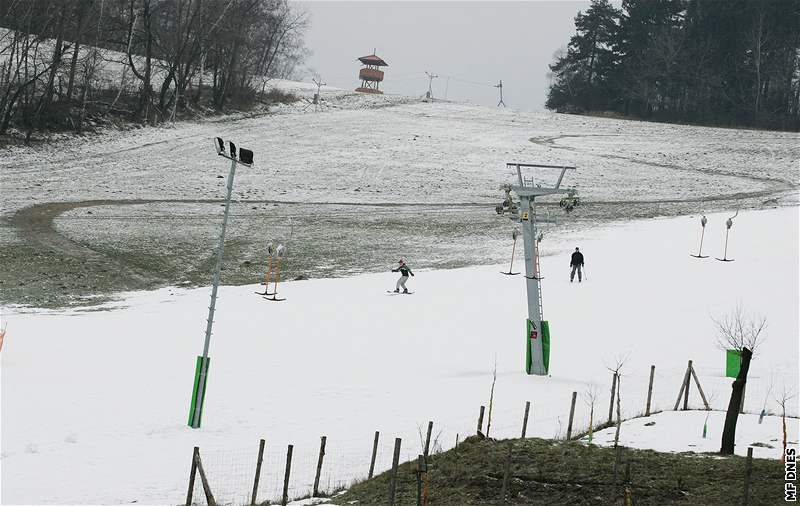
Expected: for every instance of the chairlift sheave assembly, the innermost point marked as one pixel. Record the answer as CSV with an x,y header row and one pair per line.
x,y
728,225
700,254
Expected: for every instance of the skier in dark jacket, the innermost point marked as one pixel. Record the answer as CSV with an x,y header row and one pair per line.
x,y
404,272
576,263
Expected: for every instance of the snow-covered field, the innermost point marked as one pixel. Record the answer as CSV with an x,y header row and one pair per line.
x,y
95,402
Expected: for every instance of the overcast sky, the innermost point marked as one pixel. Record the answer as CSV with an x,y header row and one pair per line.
x,y
474,43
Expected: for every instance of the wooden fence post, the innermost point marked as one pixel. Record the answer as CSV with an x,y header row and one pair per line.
x,y
285,498
206,488
525,418
683,388
571,415
650,390
700,389
192,474
613,393
480,421
393,477
258,472
748,471
420,467
374,453
506,473
428,439
686,392
315,491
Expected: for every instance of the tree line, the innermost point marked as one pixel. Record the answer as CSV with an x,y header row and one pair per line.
x,y
730,63
63,61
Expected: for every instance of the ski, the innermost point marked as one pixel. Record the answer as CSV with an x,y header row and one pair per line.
x,y
265,293
274,298
392,292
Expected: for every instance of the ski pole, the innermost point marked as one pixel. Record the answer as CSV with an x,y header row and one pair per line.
x,y
267,274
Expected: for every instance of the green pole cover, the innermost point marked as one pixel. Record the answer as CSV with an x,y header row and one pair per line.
x,y
546,346
197,378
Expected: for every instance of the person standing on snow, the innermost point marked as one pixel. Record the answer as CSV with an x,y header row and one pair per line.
x,y
576,263
404,272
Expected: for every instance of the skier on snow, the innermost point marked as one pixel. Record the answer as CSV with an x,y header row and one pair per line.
x,y
576,263
404,272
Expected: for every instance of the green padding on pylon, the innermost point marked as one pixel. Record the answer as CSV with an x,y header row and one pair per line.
x,y
198,368
546,346
528,359
733,361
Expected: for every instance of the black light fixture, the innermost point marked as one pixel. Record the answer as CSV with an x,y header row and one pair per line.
x,y
220,145
233,149
246,156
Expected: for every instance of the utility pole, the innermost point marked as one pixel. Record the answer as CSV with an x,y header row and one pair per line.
x,y
245,157
537,336
501,94
431,77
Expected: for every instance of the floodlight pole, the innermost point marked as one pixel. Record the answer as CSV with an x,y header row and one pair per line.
x,y
201,372
537,358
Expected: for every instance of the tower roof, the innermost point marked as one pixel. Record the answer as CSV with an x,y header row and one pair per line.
x,y
373,60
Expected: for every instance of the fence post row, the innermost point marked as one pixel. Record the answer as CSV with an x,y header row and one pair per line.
x,y
748,471
393,477
315,491
206,488
686,392
192,474
650,390
258,472
571,415
525,418
428,439
506,473
613,393
374,453
285,498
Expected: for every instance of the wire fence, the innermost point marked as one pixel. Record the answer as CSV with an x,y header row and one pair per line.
x,y
231,473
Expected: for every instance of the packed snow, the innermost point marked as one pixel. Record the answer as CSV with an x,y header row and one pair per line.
x,y
682,431
97,400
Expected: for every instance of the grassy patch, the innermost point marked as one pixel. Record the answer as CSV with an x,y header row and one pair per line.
x,y
556,472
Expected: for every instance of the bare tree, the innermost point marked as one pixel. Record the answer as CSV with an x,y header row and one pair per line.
x,y
737,330
741,332
491,397
784,398
590,398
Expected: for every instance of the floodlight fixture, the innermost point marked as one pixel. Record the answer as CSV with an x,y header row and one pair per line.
x,y
220,145
245,156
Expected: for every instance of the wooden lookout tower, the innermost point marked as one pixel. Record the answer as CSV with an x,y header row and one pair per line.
x,y
370,74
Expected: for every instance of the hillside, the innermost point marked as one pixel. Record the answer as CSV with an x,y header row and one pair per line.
x,y
83,217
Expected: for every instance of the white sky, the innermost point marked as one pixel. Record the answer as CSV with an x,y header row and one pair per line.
x,y
480,42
